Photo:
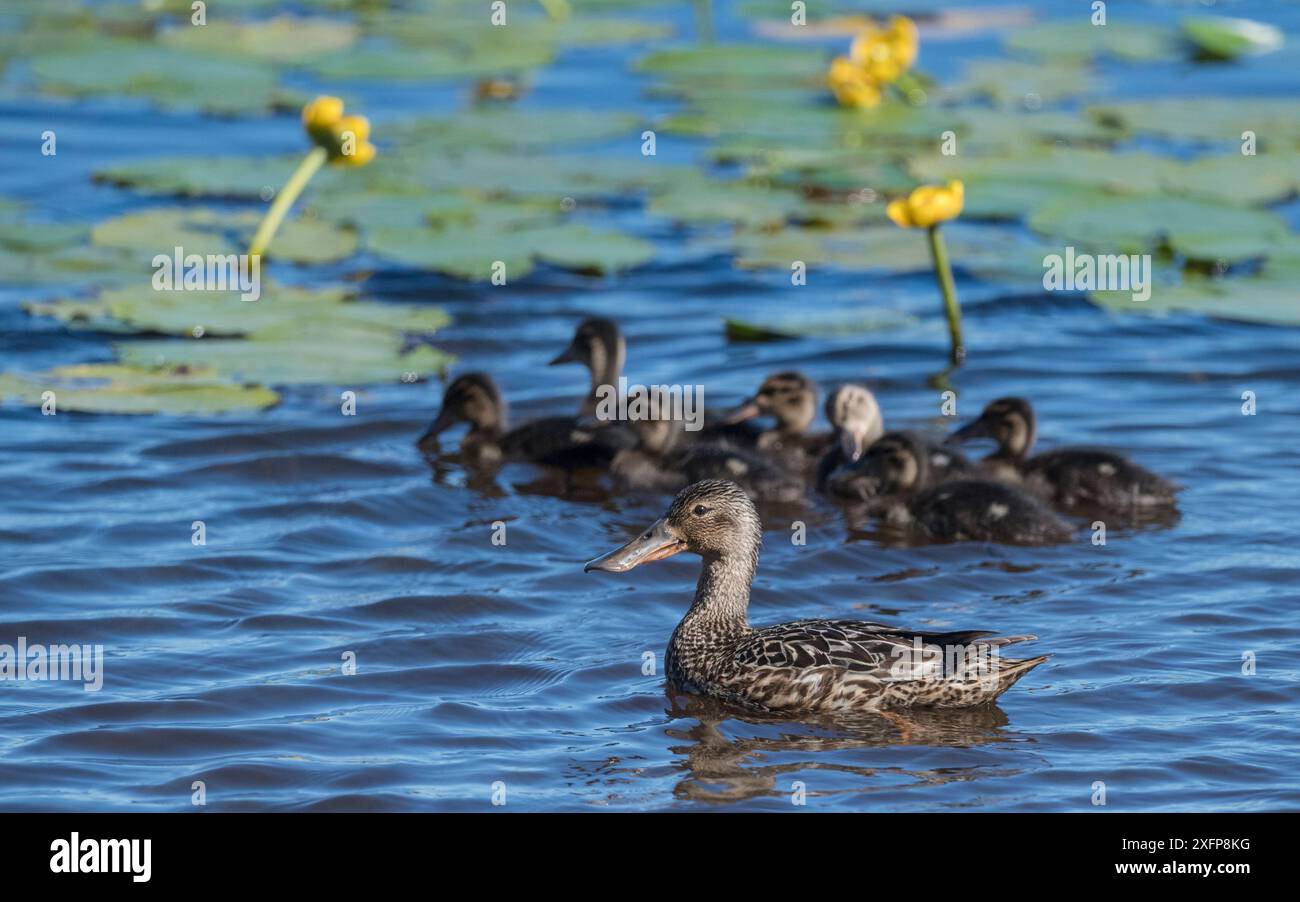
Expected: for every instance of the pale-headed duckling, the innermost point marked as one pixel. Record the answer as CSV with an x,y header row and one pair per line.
x,y
1073,477
553,441
790,398
597,344
667,458
806,666
893,479
856,420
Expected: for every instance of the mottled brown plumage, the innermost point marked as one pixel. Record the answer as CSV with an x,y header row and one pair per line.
x,y
1075,477
807,665
894,479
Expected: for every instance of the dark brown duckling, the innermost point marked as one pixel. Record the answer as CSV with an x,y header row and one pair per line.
x,y
666,460
804,666
893,478
597,344
552,441
1072,477
855,417
791,399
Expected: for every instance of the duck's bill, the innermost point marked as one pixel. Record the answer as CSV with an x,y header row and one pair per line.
x,y
973,429
655,544
850,445
746,411
568,355
440,425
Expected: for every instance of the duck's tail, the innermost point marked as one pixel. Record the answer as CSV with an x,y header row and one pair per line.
x,y
1011,670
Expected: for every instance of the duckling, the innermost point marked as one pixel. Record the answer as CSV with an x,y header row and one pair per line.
x,y
893,477
666,460
806,666
856,422
1070,477
855,416
554,441
599,346
790,398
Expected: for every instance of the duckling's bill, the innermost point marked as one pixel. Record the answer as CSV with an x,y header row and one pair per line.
x,y
655,544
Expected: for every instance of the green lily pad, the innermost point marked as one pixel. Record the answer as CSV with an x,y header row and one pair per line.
x,y
513,129
1081,40
752,65
431,63
169,77
1216,119
225,313
283,39
302,353
1011,82
114,388
1224,38
198,230
1201,230
704,201
473,252
224,177
38,238
1264,299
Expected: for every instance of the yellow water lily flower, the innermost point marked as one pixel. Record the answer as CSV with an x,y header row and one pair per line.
x,y
928,206
322,113
852,86
354,147
344,138
886,53
341,140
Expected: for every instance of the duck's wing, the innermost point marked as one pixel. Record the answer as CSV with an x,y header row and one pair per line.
x,y
566,442
832,664
1082,476
854,645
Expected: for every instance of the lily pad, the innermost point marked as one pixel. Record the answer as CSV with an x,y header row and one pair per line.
x,y
283,39
1266,299
1217,119
473,252
199,230
114,388
305,353
1081,40
514,129
225,313
1220,37
1202,230
225,177
169,77
1011,82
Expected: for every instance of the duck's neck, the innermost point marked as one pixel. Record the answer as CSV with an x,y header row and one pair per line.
x,y
722,594
606,367
1019,440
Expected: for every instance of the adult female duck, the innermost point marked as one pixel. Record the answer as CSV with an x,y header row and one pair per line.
x,y
1070,477
806,666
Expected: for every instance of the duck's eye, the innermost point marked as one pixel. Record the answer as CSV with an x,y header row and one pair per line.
x,y
701,510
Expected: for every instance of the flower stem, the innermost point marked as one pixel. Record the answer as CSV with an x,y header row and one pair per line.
x,y
946,285
284,200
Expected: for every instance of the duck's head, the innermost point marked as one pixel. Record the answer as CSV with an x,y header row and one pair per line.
x,y
599,346
655,436
853,411
713,518
472,398
896,463
790,397
1008,421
